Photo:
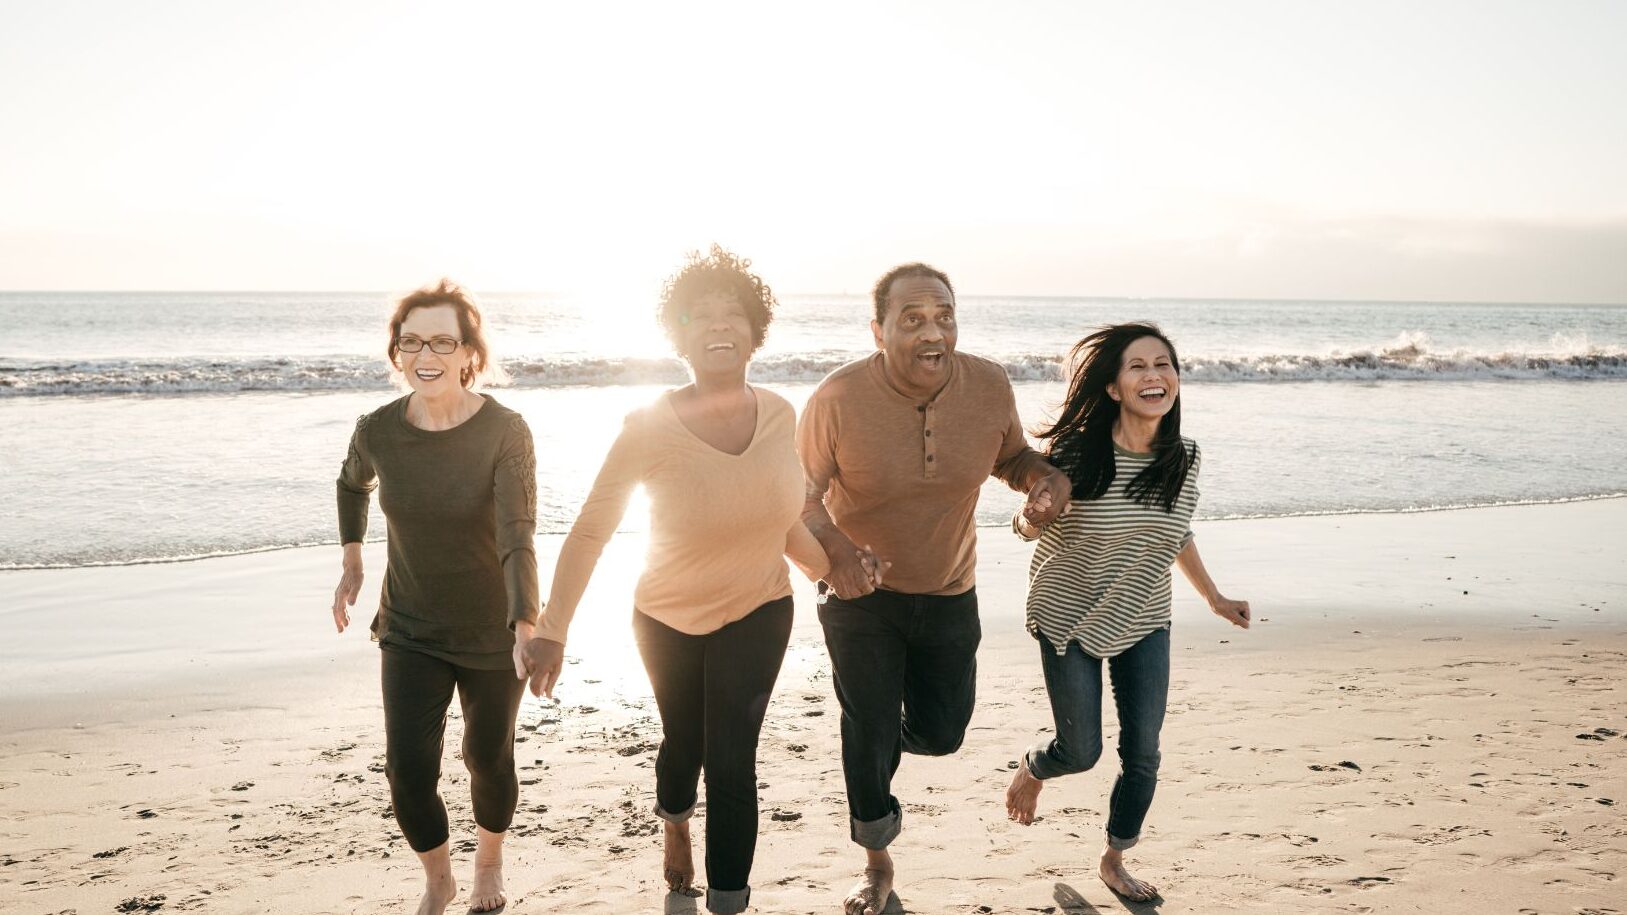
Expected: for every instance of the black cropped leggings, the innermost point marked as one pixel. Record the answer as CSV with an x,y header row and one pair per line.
x,y
712,691
417,692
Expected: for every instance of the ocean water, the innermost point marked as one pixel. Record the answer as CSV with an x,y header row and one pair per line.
x,y
158,426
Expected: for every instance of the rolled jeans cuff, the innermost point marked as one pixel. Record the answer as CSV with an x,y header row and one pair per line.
x,y
877,834
728,902
1033,761
682,817
1122,844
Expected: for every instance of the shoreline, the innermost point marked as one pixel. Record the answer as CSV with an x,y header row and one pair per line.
x,y
206,738
1335,513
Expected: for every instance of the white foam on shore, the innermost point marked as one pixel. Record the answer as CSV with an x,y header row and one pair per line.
x,y
1410,357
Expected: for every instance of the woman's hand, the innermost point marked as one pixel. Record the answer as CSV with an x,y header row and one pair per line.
x,y
543,660
874,568
350,586
1235,612
522,634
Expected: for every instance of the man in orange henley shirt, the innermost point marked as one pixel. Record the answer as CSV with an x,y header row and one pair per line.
x,y
895,448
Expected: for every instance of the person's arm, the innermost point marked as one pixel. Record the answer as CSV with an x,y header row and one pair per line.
x,y
625,466
806,552
1027,471
1235,612
816,447
514,489
357,480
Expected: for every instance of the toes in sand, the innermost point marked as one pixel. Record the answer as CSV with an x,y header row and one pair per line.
x,y
1022,798
869,896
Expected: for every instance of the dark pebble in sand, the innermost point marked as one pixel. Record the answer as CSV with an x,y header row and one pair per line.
x,y
636,748
798,748
814,713
785,816
1350,765
1588,737
1607,732
142,903
1606,801
242,786
111,852
146,814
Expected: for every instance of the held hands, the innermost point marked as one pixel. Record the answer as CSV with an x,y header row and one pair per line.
x,y
1235,612
856,575
538,659
1047,499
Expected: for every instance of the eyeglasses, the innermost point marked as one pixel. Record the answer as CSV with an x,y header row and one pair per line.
x,y
443,345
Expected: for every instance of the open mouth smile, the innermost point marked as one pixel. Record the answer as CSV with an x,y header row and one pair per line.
x,y
429,374
1153,394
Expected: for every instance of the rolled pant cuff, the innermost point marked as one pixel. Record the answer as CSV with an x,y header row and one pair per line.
x,y
728,902
877,834
1031,761
682,817
1122,844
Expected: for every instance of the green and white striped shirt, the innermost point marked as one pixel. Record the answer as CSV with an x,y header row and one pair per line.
x,y
1100,573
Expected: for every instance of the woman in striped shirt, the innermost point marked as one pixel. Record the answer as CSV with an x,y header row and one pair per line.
x,y
1099,583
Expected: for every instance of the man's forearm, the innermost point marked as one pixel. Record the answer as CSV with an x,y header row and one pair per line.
x,y
823,527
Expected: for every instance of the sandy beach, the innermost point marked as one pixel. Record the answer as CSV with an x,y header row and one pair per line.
x,y
1428,716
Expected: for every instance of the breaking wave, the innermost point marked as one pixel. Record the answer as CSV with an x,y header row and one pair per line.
x,y
1410,358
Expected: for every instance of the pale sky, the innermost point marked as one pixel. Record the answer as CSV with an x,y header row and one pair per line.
x,y
1392,150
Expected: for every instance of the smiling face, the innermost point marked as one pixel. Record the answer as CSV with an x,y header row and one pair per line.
x,y
430,373
1147,383
714,333
918,334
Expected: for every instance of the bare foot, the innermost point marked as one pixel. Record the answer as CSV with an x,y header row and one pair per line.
x,y
869,895
1119,880
1022,798
677,860
487,894
438,894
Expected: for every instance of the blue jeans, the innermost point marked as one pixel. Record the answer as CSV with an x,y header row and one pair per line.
x,y
1140,678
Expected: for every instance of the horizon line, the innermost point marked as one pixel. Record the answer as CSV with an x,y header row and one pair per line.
x,y
853,295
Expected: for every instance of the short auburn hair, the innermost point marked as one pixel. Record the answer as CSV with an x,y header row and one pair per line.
x,y
471,326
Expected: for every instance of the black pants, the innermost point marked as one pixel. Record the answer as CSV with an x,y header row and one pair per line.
x,y
713,691
417,691
906,675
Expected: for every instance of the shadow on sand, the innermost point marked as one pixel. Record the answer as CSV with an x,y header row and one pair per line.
x,y
1073,903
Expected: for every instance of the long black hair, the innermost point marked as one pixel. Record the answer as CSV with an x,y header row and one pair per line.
x,y
1080,442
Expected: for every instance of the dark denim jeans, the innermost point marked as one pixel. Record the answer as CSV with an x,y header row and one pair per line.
x,y
712,691
905,668
1140,679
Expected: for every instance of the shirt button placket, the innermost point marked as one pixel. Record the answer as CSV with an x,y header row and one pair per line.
x,y
928,447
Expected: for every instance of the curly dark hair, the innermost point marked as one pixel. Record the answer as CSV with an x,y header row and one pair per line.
x,y
718,271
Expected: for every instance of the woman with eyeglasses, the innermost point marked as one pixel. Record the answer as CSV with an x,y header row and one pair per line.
x,y
456,478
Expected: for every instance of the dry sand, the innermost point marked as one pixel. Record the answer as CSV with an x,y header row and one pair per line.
x,y
1428,716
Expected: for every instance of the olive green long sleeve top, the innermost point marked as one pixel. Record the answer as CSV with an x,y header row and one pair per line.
x,y
461,508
